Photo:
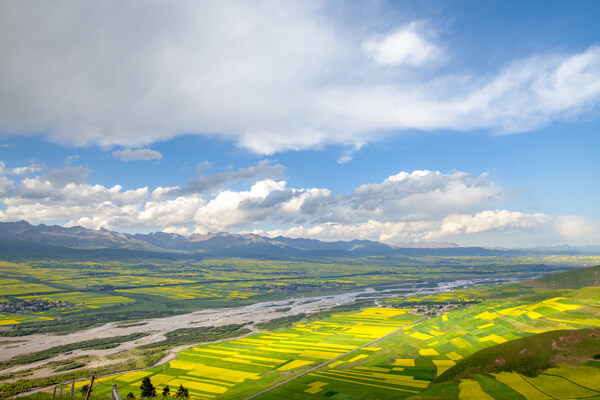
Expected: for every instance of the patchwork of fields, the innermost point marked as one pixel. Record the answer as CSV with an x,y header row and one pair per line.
x,y
398,366
401,365
236,368
216,283
409,361
81,300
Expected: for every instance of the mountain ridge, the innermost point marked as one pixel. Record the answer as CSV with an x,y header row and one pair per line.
x,y
222,244
82,238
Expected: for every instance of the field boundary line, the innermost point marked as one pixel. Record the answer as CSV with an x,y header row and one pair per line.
x,y
333,359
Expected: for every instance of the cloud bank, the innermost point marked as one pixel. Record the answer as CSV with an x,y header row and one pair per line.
x,y
408,206
268,76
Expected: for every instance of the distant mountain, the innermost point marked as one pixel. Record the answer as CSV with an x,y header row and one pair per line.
x,y
223,244
426,245
567,249
75,237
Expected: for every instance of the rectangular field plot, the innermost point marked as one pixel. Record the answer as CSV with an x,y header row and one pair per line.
x,y
181,292
125,280
15,287
15,319
233,368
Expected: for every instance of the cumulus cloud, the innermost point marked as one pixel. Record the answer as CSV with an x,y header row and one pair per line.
x,y
212,182
407,206
408,45
490,220
137,155
5,185
413,206
423,194
26,170
271,77
182,230
451,226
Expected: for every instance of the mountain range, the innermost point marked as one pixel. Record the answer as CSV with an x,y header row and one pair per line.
x,y
51,238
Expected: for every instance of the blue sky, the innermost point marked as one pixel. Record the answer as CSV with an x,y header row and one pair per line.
x,y
470,122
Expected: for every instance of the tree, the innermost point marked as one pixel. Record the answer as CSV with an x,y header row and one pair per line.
x,y
182,392
148,389
166,391
84,389
130,395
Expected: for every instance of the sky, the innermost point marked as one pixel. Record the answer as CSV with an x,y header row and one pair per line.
x,y
468,122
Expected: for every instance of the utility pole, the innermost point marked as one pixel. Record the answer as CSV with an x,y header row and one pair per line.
x,y
72,389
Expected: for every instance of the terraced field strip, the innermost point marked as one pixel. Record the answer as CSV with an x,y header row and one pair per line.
x,y
333,359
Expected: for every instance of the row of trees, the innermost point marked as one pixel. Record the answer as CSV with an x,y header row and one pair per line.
x,y
148,390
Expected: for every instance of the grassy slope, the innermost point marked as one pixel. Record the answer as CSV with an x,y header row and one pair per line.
x,y
532,354
574,279
539,354
529,355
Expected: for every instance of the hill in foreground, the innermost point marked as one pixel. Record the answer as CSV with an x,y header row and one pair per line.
x,y
529,355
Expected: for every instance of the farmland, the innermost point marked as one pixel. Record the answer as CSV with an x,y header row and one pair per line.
x,y
427,349
402,365
255,362
324,349
171,287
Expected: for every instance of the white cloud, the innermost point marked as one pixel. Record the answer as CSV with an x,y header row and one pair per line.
x,y
183,231
93,206
423,194
5,185
27,170
408,206
574,227
405,46
137,155
202,183
171,212
490,220
449,227
269,76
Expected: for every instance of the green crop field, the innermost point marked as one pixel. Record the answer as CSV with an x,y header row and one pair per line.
x,y
171,287
427,349
399,366
411,363
235,368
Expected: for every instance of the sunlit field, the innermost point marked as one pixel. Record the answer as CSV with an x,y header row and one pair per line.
x,y
239,367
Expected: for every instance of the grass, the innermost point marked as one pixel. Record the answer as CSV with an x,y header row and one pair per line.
x,y
527,356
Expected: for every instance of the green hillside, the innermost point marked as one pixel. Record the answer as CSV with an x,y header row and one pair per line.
x,y
529,355
575,279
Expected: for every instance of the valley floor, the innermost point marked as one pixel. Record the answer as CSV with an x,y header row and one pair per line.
x,y
327,358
